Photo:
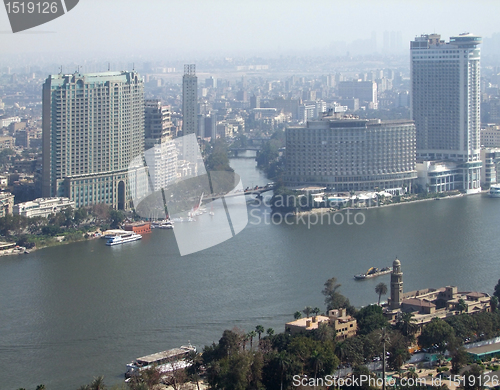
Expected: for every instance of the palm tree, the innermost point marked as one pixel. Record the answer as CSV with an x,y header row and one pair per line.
x,y
297,315
244,339
283,362
317,362
97,383
406,324
259,329
381,289
307,311
462,306
316,311
251,335
270,332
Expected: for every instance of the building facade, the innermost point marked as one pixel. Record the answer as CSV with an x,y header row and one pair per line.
x,y
158,125
349,154
365,91
190,100
445,103
93,127
42,207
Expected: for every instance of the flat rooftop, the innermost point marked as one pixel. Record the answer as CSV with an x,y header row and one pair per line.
x,y
484,349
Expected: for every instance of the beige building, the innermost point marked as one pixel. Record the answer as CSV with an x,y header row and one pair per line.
x,y
430,303
345,325
6,203
93,127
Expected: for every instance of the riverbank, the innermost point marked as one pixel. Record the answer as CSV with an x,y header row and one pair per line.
x,y
321,210
48,242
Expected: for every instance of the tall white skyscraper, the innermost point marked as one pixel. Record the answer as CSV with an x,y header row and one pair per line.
x,y
445,105
93,127
190,100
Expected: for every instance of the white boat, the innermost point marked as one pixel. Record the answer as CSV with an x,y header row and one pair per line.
x,y
122,239
166,225
165,361
495,191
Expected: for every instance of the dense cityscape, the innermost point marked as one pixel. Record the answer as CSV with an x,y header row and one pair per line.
x,y
182,156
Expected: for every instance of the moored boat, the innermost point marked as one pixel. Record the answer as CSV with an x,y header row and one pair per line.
x,y
495,191
122,239
372,272
165,361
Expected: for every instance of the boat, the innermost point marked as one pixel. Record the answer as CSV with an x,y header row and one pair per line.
x,y
165,361
122,239
372,272
495,191
165,225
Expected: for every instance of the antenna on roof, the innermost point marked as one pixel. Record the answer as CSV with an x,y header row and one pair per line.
x,y
109,65
133,65
60,69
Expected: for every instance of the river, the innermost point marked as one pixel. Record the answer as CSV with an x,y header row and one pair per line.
x,y
72,312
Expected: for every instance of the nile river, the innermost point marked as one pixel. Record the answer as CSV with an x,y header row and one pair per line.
x,y
76,311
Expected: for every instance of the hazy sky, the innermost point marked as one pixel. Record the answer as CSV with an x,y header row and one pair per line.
x,y
232,27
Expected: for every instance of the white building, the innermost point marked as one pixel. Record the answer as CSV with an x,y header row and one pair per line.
x,y
439,176
42,207
345,154
491,166
445,99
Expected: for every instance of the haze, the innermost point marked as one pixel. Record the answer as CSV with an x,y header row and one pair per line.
x,y
173,28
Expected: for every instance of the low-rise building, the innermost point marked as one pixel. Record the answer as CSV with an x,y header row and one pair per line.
x,y
430,303
42,207
345,325
6,203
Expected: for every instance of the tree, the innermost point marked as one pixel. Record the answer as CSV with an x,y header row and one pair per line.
x,y
436,333
251,335
462,306
270,332
259,329
497,290
98,383
459,358
472,378
494,303
334,299
297,315
406,324
398,349
370,318
307,310
196,361
380,289
316,311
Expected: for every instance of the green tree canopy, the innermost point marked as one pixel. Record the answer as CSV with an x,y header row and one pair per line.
x,y
436,333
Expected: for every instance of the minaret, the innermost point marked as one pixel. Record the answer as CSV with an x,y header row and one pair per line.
x,y
396,285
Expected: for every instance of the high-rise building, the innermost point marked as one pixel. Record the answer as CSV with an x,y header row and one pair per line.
x,y
93,126
349,154
445,99
158,125
190,100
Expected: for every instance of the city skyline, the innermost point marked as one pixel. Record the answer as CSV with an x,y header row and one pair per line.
x,y
243,27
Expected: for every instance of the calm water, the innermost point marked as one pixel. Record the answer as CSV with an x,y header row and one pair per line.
x,y
73,312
